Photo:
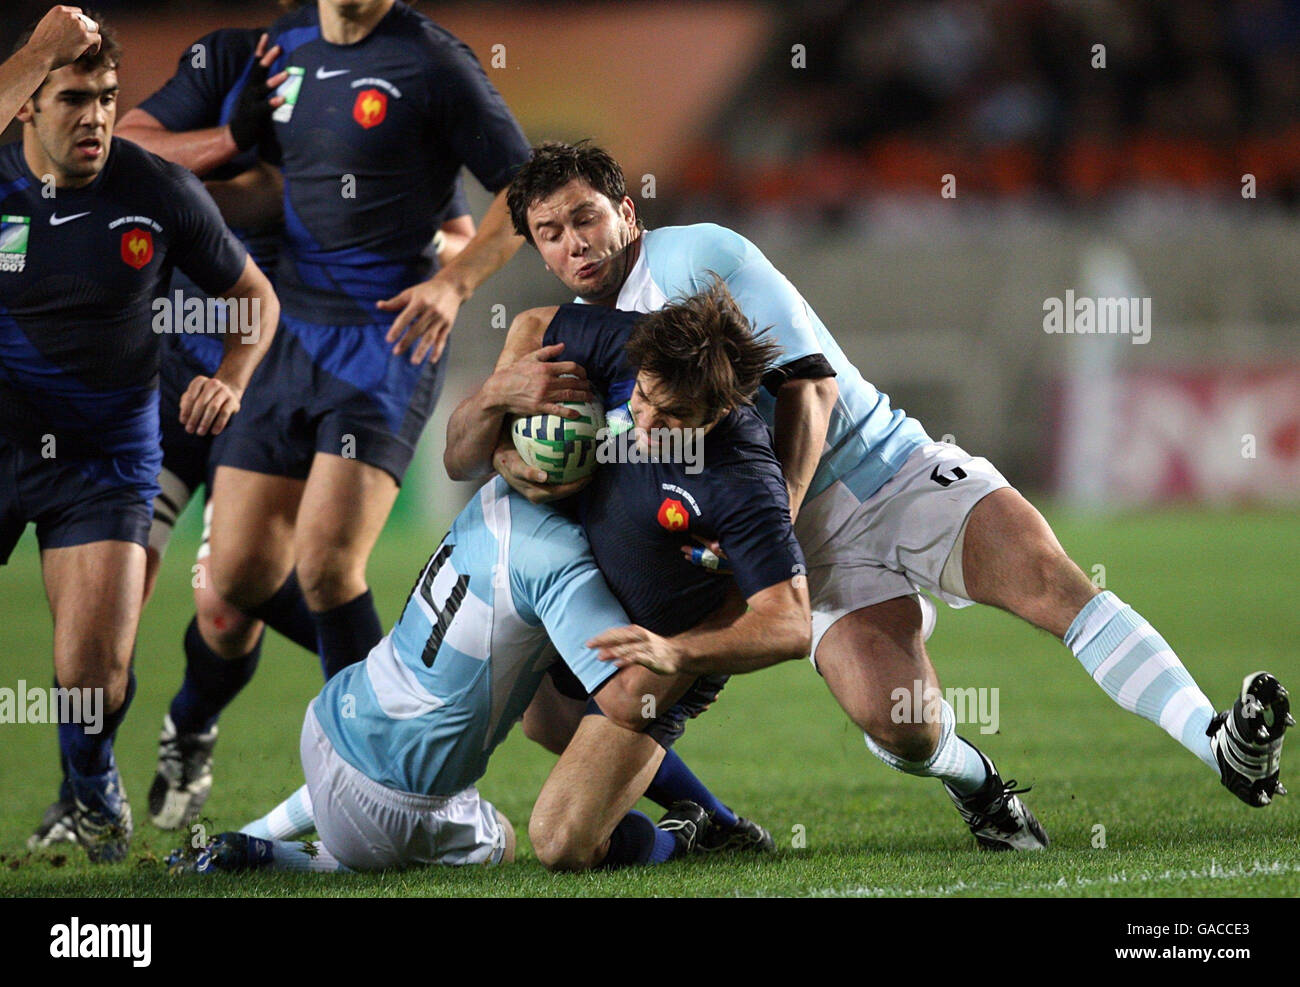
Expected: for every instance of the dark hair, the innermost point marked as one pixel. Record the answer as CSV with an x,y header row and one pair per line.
x,y
108,56
555,164
704,353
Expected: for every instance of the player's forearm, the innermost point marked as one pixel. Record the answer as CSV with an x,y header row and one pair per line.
x,y
752,643
21,76
473,432
803,414
486,253
249,339
253,200
200,151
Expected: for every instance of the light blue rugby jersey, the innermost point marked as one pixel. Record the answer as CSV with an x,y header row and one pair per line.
x,y
866,441
432,700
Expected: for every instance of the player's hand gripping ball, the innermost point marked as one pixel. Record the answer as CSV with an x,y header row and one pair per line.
x,y
564,447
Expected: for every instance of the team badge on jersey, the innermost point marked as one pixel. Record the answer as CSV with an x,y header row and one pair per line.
x,y
370,108
673,516
14,234
137,248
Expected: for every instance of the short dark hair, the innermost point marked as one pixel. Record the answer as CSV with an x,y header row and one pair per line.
x,y
108,56
704,352
552,166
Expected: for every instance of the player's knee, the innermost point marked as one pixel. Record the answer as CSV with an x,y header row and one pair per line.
x,y
101,668
561,845
330,577
910,741
243,581
226,630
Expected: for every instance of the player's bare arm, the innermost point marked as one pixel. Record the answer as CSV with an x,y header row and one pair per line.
x,y
803,414
777,627
209,402
426,311
453,236
252,200
63,35
204,150
528,379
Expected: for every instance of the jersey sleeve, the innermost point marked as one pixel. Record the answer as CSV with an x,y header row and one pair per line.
x,y
751,516
457,206
208,71
475,120
686,258
594,338
558,580
202,245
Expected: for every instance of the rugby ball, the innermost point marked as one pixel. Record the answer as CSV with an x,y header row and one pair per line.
x,y
564,447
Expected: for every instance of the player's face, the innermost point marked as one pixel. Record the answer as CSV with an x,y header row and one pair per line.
x,y
356,10
72,118
583,239
655,407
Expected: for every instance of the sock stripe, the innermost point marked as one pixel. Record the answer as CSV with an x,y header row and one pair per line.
x,y
1113,670
1134,689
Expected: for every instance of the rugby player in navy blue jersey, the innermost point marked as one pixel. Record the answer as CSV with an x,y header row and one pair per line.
x,y
377,109
91,230
691,366
202,119
62,36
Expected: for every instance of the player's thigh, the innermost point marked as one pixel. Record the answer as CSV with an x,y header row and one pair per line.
x,y
1012,559
96,591
344,508
253,517
597,780
552,718
868,654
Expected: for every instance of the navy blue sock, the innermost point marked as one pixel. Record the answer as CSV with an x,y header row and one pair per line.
x,y
675,782
637,840
347,633
210,683
286,613
85,753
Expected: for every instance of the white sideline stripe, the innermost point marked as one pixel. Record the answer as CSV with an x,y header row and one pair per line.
x,y
1182,704
1134,638
1147,672
1215,872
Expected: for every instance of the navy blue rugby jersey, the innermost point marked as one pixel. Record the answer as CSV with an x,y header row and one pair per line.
x,y
373,136
638,515
78,276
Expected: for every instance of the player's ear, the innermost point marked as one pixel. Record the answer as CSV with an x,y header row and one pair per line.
x,y
627,208
27,111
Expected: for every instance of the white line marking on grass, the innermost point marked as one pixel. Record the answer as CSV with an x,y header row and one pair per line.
x,y
1215,872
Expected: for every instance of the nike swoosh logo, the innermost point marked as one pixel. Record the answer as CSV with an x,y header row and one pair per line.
x,y
57,220
322,74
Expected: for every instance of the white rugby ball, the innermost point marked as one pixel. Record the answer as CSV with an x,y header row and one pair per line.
x,y
564,447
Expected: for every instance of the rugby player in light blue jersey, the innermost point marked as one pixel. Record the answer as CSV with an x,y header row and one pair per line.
x,y
883,512
393,746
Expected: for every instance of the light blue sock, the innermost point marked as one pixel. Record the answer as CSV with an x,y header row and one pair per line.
x,y
287,821
956,762
1136,667
303,856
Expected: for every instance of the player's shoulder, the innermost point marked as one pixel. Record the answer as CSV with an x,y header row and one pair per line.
x,y
12,165
139,170
740,445
700,238
231,42
433,40
295,28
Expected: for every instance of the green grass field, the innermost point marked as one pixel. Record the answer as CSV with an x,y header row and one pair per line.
x,y
776,746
